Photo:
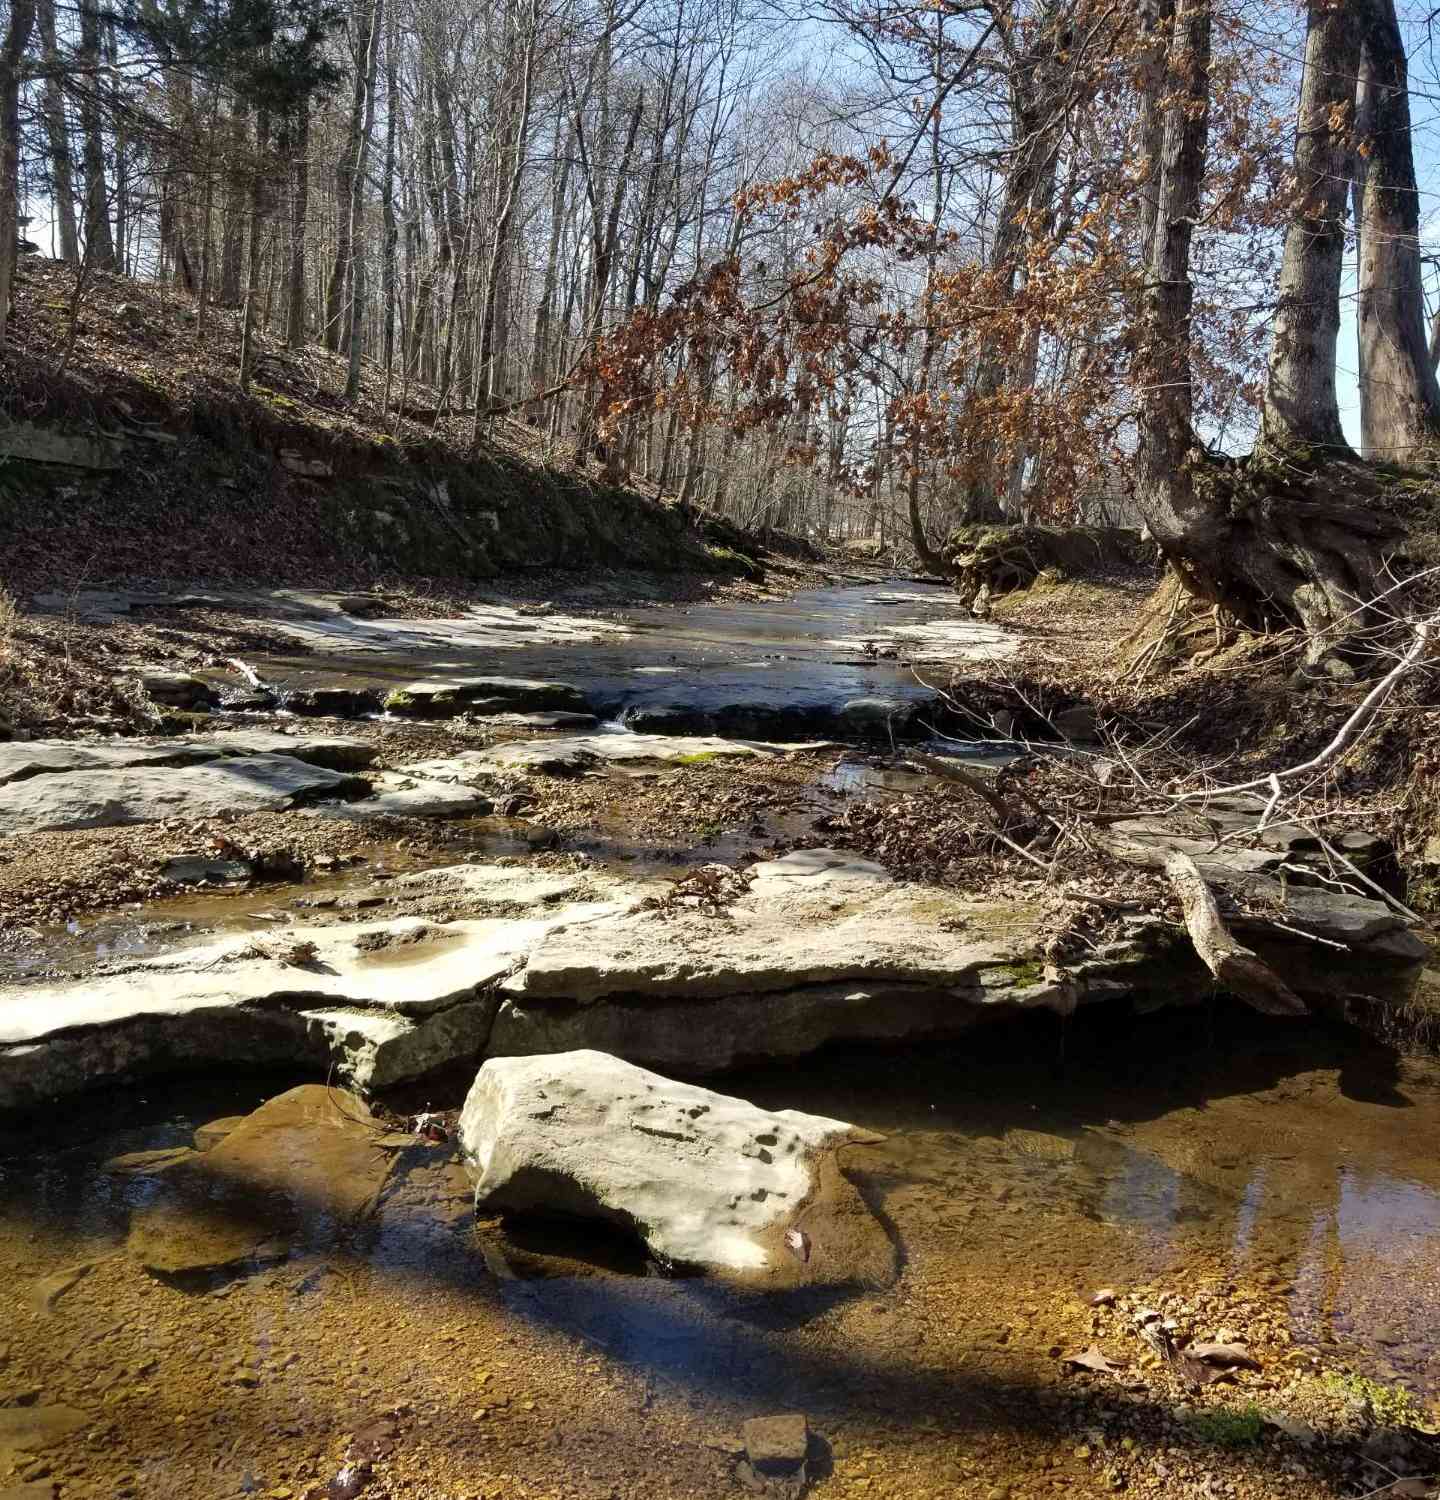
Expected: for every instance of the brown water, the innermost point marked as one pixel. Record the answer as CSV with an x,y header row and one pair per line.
x,y
1283,1180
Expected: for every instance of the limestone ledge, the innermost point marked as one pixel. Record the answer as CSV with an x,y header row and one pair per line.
x,y
821,947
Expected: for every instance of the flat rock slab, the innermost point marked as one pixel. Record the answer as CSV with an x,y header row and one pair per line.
x,y
486,627
583,752
400,794
300,1169
150,793
777,938
938,643
21,760
817,948
379,1002
817,870
707,1181
444,697
336,752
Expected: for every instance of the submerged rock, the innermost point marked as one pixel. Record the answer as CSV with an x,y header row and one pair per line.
x,y
708,1182
855,718
582,752
331,702
28,1429
300,1169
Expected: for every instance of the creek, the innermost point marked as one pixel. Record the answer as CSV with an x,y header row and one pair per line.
x,y
1278,1181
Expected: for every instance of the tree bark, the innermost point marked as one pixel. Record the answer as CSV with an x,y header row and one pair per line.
x,y
1301,408
12,51
1399,396
1234,966
1166,412
355,321
348,186
62,173
1287,541
257,228
99,243
299,214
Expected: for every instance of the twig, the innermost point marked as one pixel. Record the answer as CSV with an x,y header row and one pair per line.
x,y
941,767
1360,875
1350,730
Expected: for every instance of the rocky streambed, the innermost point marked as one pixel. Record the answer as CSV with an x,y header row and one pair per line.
x,y
968,1203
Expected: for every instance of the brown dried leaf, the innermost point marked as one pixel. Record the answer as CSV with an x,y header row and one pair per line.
x,y
1092,1359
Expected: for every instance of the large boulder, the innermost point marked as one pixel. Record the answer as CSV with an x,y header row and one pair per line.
x,y
708,1182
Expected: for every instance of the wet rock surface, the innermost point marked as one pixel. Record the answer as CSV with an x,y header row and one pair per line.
x,y
443,697
301,1165
707,1181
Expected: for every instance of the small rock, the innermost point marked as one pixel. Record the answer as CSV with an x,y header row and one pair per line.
x,y
775,1445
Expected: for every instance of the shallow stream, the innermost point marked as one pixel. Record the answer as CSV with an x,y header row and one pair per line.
x,y
1282,1179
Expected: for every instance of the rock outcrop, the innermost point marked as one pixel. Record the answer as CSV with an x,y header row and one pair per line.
x,y
816,948
708,1182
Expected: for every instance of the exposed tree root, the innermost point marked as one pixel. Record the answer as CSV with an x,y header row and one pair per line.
x,y
1289,541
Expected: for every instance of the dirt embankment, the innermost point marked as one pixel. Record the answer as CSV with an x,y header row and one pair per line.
x,y
128,452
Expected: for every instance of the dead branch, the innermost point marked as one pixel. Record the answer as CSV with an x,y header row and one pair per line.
x,y
941,767
1234,966
1349,732
1003,812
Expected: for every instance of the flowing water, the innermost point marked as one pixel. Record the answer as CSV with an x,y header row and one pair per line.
x,y
813,650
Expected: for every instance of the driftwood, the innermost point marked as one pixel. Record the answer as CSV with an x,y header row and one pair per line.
x,y
1234,966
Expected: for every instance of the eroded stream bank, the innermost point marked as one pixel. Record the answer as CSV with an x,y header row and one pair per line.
x,y
1254,1183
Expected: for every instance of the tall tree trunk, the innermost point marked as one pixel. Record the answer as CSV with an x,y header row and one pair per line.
x,y
12,51
1166,412
57,132
257,230
99,243
299,214
355,321
348,185
1399,396
391,230
1301,408
1274,541
516,151
238,181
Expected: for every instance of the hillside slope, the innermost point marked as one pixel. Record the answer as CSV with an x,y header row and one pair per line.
x,y
127,451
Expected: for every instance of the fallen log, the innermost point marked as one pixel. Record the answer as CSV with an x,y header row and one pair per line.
x,y
1234,966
